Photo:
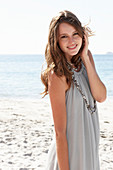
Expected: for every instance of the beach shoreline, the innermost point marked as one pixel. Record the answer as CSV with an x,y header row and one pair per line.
x,y
26,132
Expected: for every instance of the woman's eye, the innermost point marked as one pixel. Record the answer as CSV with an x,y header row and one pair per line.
x,y
76,33
64,36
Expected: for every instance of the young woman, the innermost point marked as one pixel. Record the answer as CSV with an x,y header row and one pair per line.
x,y
74,87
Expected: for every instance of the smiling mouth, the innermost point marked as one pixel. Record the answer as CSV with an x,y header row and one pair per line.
x,y
73,47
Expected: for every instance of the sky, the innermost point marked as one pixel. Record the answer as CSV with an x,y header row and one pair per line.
x,y
24,24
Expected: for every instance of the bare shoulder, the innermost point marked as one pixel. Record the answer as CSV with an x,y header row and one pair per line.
x,y
56,82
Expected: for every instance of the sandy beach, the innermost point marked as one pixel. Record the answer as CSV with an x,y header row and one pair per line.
x,y
26,132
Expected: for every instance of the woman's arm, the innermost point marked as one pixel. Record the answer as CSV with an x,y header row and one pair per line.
x,y
98,89
57,87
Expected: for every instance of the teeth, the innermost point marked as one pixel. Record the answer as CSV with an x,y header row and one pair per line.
x,y
72,47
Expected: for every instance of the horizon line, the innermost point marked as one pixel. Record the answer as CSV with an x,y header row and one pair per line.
x,y
107,53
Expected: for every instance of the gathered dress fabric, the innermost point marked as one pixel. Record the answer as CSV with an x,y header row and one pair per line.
x,y
82,129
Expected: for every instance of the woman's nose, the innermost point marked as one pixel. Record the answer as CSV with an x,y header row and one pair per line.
x,y
71,40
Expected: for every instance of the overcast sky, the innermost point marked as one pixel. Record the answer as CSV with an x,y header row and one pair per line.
x,y
24,23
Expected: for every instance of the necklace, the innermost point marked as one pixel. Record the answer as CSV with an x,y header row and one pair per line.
x,y
89,107
72,65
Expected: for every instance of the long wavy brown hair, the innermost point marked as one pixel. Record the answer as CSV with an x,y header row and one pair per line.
x,y
54,56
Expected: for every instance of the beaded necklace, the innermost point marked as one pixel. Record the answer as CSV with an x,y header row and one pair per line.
x,y
90,109
77,68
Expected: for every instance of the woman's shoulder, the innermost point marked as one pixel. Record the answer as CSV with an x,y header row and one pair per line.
x,y
53,76
57,81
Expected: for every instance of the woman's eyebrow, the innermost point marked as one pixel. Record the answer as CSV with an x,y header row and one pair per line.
x,y
75,31
63,34
67,33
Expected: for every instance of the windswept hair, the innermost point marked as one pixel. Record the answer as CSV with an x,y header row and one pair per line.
x,y
54,56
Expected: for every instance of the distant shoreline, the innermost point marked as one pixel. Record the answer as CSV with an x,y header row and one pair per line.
x,y
107,53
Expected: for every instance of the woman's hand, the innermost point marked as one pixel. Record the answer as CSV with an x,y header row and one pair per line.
x,y
84,53
97,87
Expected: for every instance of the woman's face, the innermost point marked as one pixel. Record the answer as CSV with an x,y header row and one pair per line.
x,y
69,40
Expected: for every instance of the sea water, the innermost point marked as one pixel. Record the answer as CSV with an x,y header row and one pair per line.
x,y
20,75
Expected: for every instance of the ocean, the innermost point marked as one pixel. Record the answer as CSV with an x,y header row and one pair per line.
x,y
20,75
